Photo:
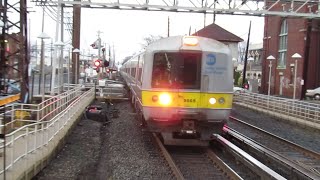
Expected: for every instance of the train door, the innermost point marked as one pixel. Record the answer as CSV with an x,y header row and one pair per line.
x,y
188,70
205,80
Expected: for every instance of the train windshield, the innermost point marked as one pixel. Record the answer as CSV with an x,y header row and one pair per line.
x,y
176,70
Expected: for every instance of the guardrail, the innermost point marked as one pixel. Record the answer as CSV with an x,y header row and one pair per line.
x,y
41,128
16,114
109,89
302,112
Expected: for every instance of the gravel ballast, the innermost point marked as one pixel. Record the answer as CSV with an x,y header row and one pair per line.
x,y
114,149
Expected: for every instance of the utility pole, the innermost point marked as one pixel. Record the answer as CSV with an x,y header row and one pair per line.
x,y
168,26
53,74
245,58
306,59
76,38
99,45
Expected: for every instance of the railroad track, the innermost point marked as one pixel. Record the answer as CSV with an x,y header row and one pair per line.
x,y
290,160
203,163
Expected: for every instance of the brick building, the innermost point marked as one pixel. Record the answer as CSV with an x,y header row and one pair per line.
x,y
284,37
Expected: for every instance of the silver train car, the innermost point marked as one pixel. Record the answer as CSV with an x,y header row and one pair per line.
x,y
182,87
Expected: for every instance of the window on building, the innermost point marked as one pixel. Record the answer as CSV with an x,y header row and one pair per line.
x,y
291,75
283,43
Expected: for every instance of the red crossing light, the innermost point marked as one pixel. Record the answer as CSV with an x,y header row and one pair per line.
x,y
97,63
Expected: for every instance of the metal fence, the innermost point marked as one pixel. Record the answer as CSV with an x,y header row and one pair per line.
x,y
34,127
109,89
302,112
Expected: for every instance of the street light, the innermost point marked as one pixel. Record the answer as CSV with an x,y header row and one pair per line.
x,y
69,47
270,58
58,43
296,56
60,63
76,51
42,36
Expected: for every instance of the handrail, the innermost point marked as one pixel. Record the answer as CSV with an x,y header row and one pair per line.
x,y
45,110
40,132
302,112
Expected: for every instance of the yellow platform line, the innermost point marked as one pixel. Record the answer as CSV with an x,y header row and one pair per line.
x,y
9,99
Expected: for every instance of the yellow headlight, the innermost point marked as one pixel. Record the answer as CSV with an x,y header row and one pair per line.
x,y
190,41
165,99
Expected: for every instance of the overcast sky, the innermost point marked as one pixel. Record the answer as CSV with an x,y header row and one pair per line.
x,y
126,29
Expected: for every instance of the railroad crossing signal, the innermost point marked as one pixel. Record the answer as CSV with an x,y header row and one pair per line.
x,y
97,63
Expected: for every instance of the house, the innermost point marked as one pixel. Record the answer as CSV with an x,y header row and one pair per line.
x,y
216,32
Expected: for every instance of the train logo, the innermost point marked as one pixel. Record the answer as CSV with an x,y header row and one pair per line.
x,y
211,59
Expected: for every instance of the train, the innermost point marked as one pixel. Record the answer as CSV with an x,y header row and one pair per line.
x,y
182,88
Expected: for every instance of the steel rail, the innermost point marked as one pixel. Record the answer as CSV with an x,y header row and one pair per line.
x,y
168,158
252,163
302,170
296,146
225,168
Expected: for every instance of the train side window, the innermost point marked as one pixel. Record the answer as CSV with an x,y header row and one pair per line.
x,y
133,71
142,64
139,77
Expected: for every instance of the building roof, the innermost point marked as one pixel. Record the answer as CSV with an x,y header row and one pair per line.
x,y
216,32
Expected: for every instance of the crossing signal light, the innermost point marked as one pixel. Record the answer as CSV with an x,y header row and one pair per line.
x,y
106,63
108,70
246,86
97,63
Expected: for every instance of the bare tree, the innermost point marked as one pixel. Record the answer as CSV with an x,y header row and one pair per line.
x,y
242,50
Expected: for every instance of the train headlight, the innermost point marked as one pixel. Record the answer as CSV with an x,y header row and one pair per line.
x,y
165,99
212,101
221,100
190,41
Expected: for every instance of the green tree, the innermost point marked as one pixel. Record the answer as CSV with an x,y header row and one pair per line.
x,y
236,76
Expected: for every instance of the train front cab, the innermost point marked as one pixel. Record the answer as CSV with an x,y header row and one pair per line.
x,y
187,109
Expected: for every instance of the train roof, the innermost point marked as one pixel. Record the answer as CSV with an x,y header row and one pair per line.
x,y
133,56
175,43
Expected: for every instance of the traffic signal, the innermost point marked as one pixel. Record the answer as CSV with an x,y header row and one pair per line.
x,y
246,86
97,63
93,46
108,70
